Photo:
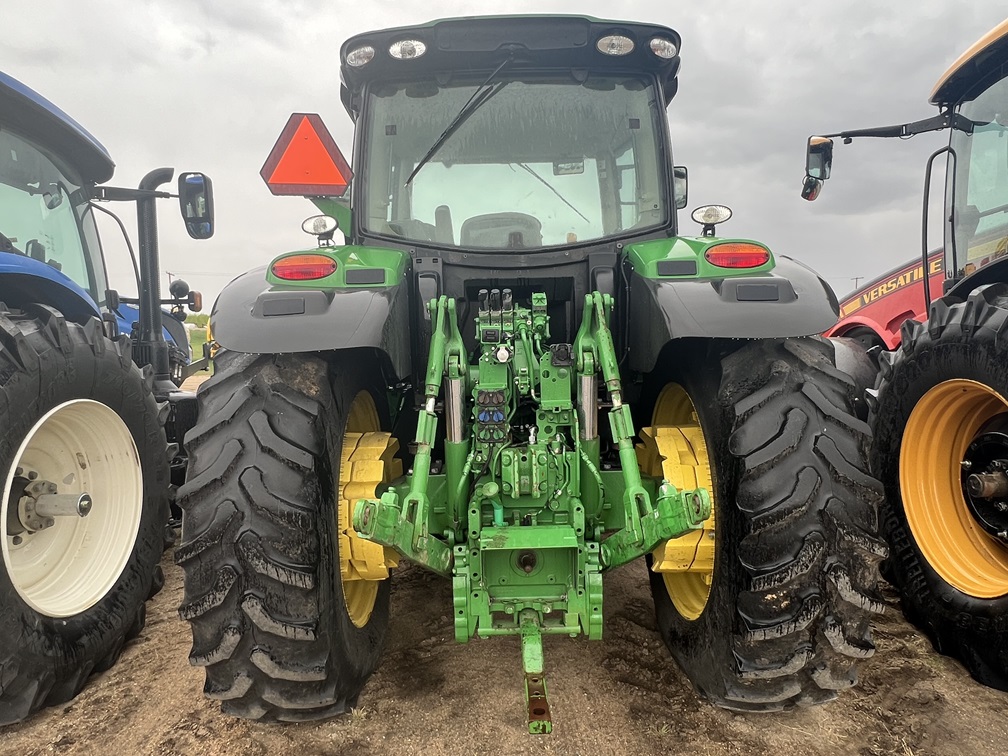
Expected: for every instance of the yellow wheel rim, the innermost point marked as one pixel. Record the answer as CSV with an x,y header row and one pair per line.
x,y
674,448
937,435
367,460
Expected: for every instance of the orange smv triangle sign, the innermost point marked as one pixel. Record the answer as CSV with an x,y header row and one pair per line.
x,y
305,160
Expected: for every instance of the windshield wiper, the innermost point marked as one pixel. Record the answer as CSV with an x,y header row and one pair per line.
x,y
550,186
483,92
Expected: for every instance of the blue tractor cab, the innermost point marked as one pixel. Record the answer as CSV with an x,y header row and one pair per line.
x,y
50,251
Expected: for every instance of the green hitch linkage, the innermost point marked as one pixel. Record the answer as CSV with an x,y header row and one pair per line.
x,y
674,512
403,525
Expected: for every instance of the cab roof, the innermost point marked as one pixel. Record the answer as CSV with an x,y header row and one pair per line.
x,y
986,58
25,110
478,44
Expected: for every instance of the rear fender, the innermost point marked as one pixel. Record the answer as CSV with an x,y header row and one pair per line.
x,y
250,315
789,300
24,280
887,334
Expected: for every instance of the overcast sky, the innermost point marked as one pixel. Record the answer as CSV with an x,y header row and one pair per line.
x,y
204,85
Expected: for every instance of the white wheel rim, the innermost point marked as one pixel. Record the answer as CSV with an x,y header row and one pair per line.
x,y
81,446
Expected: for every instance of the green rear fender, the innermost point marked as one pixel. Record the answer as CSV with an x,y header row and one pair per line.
x,y
676,293
364,303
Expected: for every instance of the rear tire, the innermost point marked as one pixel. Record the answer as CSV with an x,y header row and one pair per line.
x,y
945,383
260,546
76,412
795,566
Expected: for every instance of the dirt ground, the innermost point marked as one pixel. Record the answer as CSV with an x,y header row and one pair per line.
x,y
623,695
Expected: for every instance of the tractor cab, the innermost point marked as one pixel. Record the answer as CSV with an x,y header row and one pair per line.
x,y
51,183
518,153
522,153
525,151
522,158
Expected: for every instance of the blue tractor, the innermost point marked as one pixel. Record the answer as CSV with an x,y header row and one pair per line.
x,y
91,416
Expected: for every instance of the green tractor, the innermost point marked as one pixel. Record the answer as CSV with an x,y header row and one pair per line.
x,y
568,382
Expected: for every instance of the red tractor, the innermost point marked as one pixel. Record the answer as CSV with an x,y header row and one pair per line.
x,y
873,314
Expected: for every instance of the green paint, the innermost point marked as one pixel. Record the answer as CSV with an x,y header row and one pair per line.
x,y
347,257
539,722
517,516
645,256
405,526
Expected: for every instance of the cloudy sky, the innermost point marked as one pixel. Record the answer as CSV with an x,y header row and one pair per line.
x,y
204,85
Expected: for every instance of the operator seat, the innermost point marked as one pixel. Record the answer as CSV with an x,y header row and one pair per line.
x,y
444,232
501,230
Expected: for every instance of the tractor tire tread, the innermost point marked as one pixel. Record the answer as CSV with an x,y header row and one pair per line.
x,y
805,510
960,339
252,550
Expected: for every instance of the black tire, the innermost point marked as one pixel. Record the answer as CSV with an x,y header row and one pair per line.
x,y
861,365
795,574
46,361
960,340
263,592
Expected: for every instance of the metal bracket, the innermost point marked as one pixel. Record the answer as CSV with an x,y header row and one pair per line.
x,y
403,526
648,524
539,719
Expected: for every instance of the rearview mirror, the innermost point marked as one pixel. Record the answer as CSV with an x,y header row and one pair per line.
x,y
196,202
811,188
819,157
680,186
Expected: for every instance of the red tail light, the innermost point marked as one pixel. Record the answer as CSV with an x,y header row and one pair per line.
x,y
303,267
737,255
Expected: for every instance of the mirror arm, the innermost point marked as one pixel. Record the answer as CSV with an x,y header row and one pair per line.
x,y
122,194
946,120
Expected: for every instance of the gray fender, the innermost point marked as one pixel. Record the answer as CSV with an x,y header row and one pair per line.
x,y
252,316
791,300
